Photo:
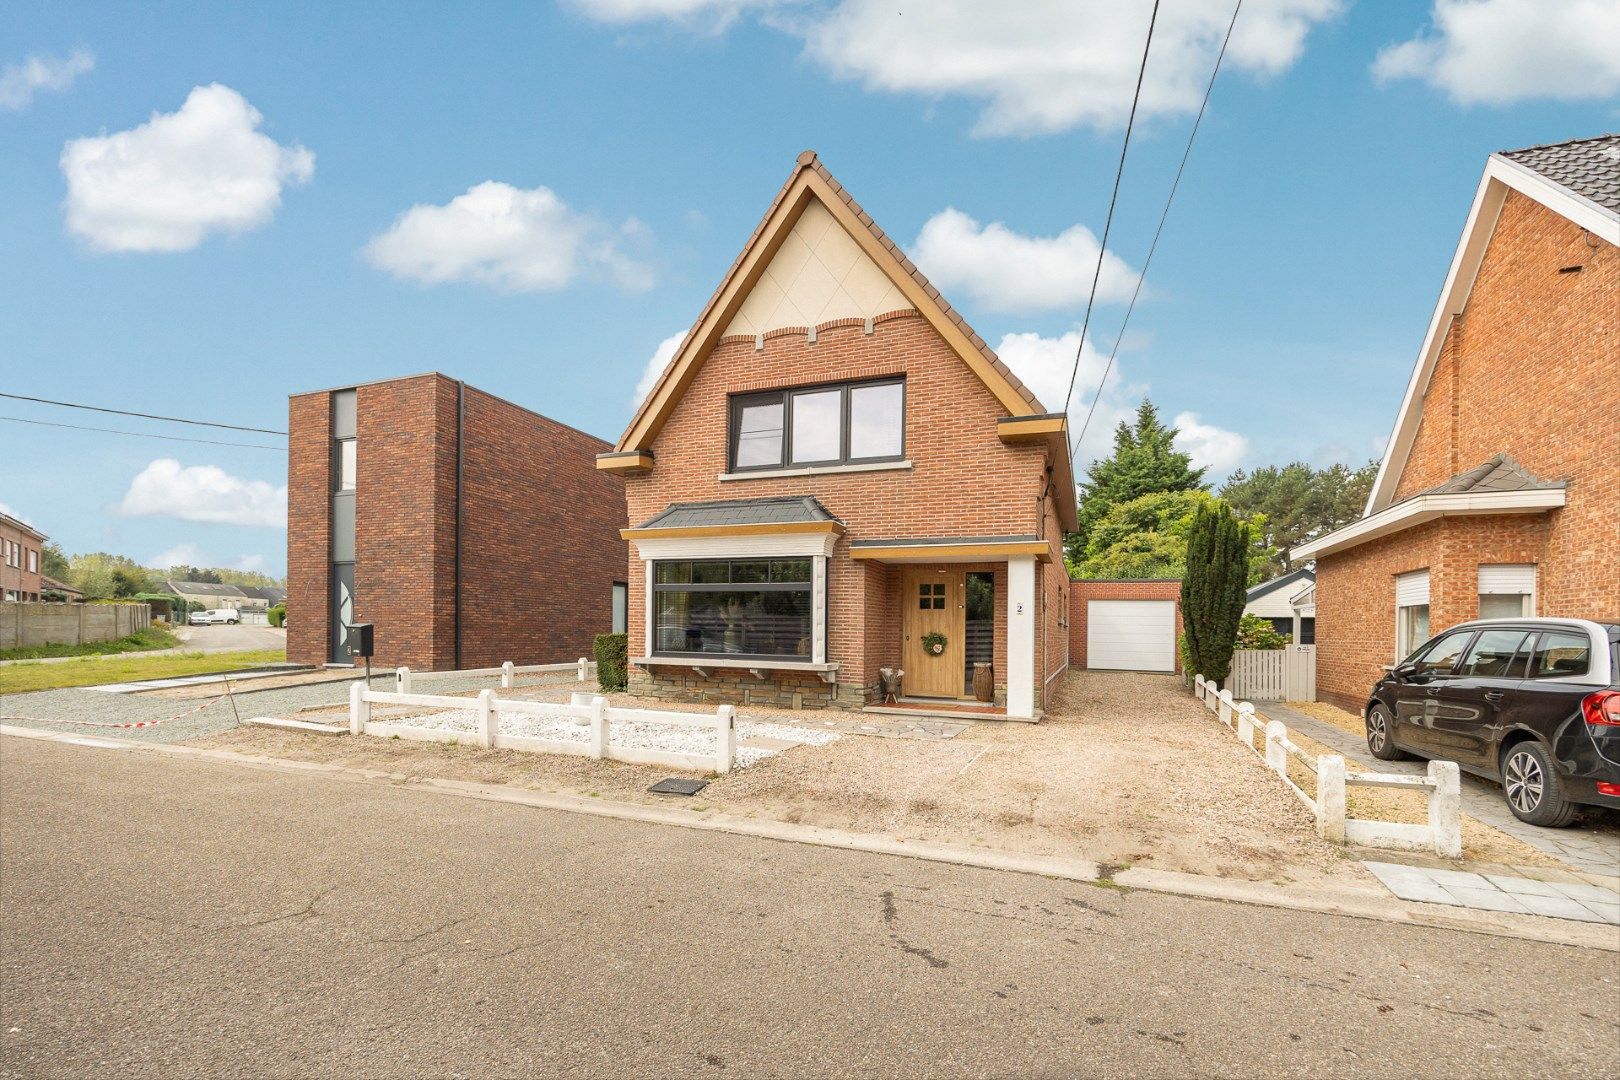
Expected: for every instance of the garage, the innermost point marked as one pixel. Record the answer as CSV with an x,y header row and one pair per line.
x,y
1131,635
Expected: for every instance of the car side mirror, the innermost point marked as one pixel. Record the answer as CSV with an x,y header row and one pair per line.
x,y
1404,672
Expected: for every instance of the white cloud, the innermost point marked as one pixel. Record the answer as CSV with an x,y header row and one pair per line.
x,y
205,493
1495,52
19,82
179,555
248,562
1214,447
5,508
1006,271
1044,365
656,363
509,238
167,184
709,15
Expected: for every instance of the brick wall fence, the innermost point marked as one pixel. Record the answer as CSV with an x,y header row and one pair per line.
x,y
1084,590
27,626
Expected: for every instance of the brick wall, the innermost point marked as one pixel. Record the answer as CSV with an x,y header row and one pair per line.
x,y
1529,368
1091,589
964,480
540,549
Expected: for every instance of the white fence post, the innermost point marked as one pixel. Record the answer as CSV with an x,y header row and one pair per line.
x,y
1198,687
599,727
359,709
1226,703
402,680
726,724
1330,797
1445,809
582,668
506,675
488,719
1276,752
1245,724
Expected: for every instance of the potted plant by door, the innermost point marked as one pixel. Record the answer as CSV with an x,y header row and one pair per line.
x,y
933,643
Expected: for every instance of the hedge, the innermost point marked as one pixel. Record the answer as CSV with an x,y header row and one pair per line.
x,y
612,661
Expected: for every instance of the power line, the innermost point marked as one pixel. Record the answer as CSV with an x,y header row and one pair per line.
x,y
1185,154
142,434
143,416
1108,222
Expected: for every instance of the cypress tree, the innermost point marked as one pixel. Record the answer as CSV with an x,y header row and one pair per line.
x,y
1212,592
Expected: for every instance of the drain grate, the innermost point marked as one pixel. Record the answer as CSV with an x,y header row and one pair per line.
x,y
674,785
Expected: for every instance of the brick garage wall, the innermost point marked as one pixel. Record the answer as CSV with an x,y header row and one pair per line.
x,y
1355,591
309,527
1529,369
964,480
542,548
1091,589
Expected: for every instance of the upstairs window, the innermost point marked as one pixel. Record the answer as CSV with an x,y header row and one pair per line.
x,y
839,424
343,465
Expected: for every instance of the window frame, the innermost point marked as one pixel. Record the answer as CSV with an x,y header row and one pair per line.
x,y
1522,648
619,607
785,398
1542,634
337,466
1422,652
807,587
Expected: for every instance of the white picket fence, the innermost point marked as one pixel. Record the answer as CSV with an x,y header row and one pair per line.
x,y
582,668
584,709
1286,674
1442,783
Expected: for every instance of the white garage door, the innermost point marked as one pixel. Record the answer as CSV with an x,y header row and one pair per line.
x,y
1131,635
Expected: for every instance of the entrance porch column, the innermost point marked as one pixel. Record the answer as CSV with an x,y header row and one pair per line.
x,y
1021,636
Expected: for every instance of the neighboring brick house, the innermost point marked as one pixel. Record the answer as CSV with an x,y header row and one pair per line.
x,y
21,546
468,530
1499,494
833,467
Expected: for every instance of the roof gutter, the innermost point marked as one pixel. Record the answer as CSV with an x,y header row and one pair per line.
x,y
1421,509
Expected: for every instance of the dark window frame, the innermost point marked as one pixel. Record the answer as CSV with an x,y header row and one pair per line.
x,y
337,466
807,586
613,597
1540,646
784,397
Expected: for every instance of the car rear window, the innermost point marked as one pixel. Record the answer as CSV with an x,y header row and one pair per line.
x,y
1561,653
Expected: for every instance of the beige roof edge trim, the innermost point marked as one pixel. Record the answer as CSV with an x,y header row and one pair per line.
x,y
805,183
1420,509
1500,176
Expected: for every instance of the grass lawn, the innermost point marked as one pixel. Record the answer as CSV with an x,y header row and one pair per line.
x,y
153,637
92,670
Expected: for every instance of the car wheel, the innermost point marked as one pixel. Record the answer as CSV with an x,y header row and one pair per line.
x,y
1381,735
1534,792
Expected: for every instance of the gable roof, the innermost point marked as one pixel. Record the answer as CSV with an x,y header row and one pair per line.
x,y
203,588
808,181
23,527
1564,177
1267,587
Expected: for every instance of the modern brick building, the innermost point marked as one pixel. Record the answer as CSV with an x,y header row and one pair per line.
x,y
20,552
1499,494
469,530
835,475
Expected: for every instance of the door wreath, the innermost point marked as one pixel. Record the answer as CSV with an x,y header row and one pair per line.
x,y
933,643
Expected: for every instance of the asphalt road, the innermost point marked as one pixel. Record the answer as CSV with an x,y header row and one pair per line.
x,y
221,638
180,917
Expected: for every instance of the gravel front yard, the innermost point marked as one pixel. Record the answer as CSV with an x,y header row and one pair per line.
x,y
1126,769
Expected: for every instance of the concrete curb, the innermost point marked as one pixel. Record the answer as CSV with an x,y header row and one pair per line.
x,y
1349,903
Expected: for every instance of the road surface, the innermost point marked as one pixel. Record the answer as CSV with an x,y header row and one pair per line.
x,y
166,916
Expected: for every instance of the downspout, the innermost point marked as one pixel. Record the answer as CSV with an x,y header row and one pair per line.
x,y
461,472
1040,530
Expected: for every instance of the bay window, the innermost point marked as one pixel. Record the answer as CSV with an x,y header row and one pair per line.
x,y
734,608
839,424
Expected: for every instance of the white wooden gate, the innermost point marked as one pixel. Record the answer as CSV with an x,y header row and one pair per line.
x,y
1287,674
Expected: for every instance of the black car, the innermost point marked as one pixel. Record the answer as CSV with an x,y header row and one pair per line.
x,y
1533,704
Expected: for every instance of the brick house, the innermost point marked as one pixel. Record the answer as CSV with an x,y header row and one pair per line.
x,y
20,548
832,468
469,530
1499,493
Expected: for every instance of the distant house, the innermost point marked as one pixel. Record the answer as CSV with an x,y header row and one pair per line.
x,y
213,595
49,584
1279,601
1500,489
270,594
20,546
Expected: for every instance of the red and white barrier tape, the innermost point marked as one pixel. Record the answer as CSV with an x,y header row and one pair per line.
x,y
99,724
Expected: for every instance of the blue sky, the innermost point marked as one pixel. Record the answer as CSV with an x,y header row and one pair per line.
x,y
258,238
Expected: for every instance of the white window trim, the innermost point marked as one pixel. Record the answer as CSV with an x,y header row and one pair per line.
x,y
817,546
817,470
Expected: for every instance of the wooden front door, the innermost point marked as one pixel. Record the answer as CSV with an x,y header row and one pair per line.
x,y
933,601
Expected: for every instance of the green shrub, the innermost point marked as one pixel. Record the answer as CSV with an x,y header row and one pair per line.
x,y
277,615
612,661
1255,632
